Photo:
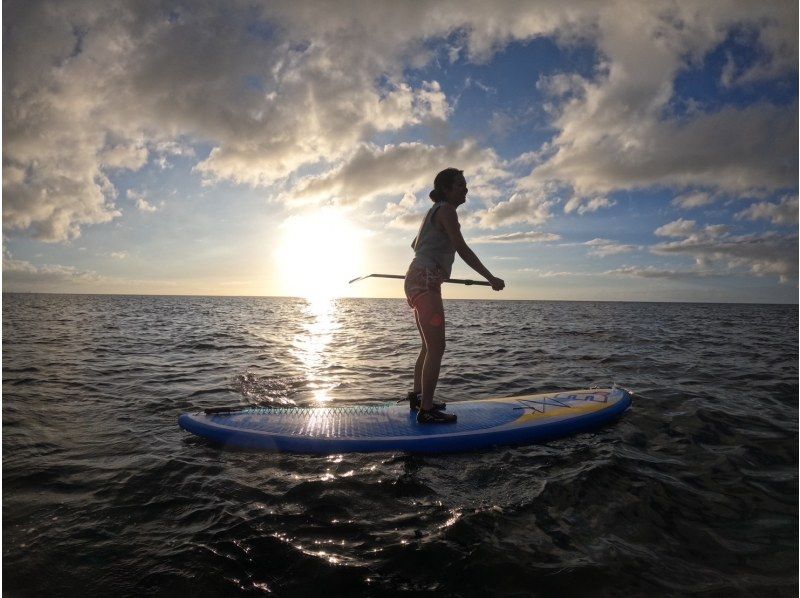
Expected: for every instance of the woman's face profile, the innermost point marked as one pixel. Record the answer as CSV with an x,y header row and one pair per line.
x,y
457,194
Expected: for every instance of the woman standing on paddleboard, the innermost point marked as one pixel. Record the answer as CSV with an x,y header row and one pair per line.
x,y
435,246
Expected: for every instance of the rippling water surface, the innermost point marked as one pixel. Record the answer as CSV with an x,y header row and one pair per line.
x,y
694,491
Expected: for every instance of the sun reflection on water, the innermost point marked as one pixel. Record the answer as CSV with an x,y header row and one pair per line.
x,y
312,345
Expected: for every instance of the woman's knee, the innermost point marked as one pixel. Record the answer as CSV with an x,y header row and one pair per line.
x,y
436,347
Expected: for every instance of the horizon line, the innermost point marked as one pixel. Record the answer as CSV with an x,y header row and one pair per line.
x,y
5,292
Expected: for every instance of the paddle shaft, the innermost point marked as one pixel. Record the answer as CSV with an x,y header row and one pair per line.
x,y
401,277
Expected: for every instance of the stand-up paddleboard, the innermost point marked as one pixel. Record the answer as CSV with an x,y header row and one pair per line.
x,y
393,427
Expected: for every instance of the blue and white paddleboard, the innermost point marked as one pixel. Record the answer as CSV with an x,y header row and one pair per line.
x,y
392,427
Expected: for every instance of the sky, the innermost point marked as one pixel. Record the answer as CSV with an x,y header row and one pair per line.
x,y
629,150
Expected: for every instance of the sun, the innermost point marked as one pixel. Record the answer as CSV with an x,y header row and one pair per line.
x,y
318,253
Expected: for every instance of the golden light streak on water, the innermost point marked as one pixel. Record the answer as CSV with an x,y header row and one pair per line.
x,y
311,344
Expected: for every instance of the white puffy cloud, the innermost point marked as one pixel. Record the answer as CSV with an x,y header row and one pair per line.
x,y
372,171
144,206
619,129
141,202
781,213
734,150
166,149
606,247
677,228
525,207
127,155
328,118
405,214
408,202
406,221
583,205
431,102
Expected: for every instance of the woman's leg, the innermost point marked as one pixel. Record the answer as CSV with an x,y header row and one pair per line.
x,y
430,318
420,359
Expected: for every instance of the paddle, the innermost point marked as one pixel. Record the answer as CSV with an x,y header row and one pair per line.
x,y
401,277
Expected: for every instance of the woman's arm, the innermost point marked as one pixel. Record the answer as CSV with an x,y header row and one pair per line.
x,y
448,218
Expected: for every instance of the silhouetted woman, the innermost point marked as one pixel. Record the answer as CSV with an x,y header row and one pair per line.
x,y
435,247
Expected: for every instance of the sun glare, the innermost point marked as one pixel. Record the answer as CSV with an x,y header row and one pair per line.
x,y
318,253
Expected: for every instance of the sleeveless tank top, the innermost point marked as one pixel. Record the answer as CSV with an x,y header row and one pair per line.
x,y
432,247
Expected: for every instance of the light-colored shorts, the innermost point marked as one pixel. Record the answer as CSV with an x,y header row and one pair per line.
x,y
421,280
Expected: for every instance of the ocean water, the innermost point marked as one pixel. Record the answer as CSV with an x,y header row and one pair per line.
x,y
693,492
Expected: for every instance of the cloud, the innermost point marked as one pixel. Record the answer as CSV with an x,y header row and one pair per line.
x,y
21,274
53,205
372,171
141,203
330,112
472,82
283,88
163,150
677,228
143,206
526,207
583,204
529,158
688,228
694,199
551,273
760,254
119,255
728,71
86,82
431,102
618,129
738,151
777,55
520,237
783,213
406,221
653,272
127,155
606,247
501,123
405,214
561,85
